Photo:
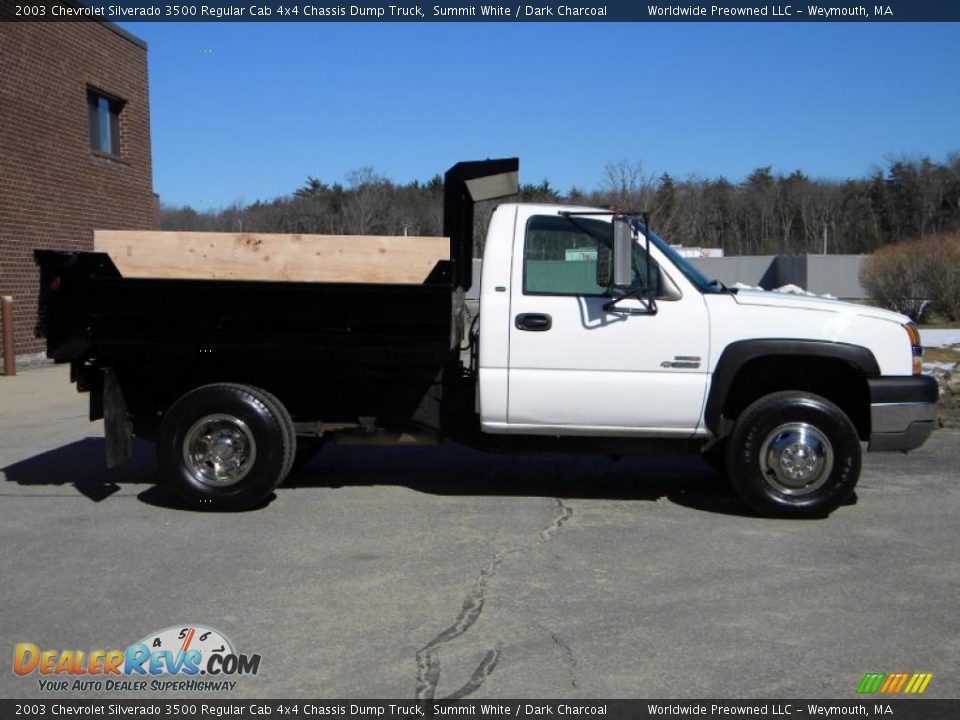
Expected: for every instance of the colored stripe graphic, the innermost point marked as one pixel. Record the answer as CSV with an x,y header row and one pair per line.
x,y
894,683
918,683
870,683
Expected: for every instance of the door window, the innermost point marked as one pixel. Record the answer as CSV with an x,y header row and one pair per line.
x,y
560,257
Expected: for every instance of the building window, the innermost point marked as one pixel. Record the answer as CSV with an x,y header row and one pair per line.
x,y
104,114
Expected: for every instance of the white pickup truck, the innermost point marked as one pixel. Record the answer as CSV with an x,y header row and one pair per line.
x,y
593,336
781,389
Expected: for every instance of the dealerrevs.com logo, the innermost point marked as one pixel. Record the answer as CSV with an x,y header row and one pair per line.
x,y
178,658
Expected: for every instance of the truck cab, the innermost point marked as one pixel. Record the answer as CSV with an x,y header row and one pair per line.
x,y
555,360
672,354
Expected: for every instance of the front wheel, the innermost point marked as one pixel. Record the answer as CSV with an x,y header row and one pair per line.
x,y
794,454
225,446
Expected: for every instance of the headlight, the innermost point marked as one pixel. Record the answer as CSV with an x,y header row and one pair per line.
x,y
915,347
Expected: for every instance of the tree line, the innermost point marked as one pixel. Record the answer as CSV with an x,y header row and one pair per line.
x,y
766,213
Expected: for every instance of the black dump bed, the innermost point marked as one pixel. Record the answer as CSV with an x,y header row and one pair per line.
x,y
329,351
350,349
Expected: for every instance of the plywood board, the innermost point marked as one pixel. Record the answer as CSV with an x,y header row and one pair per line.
x,y
262,256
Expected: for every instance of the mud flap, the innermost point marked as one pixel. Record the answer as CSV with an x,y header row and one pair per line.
x,y
117,426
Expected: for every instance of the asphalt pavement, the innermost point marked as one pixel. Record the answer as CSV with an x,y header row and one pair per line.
x,y
438,572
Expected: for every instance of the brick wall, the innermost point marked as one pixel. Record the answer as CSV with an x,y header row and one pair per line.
x,y
54,190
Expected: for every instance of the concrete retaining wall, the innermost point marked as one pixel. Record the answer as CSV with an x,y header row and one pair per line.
x,y
837,275
748,269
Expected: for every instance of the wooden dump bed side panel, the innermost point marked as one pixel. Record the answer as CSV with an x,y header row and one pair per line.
x,y
273,257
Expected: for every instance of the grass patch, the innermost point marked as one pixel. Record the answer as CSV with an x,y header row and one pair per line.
x,y
941,354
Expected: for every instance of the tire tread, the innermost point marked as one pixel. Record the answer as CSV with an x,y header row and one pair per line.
x,y
741,462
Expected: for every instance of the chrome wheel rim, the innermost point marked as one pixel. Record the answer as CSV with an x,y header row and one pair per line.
x,y
219,450
796,458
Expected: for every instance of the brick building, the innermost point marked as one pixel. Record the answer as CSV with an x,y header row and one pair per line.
x,y
74,148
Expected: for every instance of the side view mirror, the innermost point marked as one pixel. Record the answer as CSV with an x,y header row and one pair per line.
x,y
622,261
614,265
622,252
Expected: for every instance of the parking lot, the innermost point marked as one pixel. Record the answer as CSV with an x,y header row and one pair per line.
x,y
431,572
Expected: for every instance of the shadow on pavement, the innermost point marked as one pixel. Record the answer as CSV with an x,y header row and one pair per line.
x,y
438,470
161,496
81,465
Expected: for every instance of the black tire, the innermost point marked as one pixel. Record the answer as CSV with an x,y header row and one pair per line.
x,y
280,410
248,458
794,454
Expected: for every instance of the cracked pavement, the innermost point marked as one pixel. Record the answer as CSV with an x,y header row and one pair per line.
x,y
441,572
428,657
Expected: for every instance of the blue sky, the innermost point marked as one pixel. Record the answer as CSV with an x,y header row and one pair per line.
x,y
246,111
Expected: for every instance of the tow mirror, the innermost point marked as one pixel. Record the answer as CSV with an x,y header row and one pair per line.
x,y
623,270
622,252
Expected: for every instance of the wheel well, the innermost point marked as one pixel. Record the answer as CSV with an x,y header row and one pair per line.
x,y
834,379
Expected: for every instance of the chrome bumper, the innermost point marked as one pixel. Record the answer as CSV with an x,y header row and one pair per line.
x,y
903,411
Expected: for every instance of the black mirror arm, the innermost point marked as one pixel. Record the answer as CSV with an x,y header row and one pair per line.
x,y
638,292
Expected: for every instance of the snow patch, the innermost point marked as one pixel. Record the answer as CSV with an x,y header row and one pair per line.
x,y
940,338
785,289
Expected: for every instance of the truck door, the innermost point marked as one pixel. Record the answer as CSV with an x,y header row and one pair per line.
x,y
576,368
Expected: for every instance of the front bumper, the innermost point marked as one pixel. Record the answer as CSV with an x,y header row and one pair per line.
x,y
903,411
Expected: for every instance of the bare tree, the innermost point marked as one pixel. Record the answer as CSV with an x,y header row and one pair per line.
x,y
366,203
626,185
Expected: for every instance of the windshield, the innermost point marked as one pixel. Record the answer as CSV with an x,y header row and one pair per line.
x,y
702,282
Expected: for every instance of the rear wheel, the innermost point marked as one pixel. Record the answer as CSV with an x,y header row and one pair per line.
x,y
794,454
225,446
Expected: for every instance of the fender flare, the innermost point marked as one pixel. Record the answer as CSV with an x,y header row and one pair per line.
x,y
737,354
